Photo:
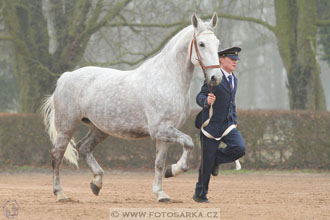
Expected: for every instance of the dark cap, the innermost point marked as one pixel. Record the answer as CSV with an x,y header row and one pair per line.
x,y
230,52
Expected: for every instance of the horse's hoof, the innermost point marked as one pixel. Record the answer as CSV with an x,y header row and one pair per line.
x,y
168,172
61,197
162,197
95,189
164,200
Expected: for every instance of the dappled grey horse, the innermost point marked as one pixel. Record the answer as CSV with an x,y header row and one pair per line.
x,y
150,101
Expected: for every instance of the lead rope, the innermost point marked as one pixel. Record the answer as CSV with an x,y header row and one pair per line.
x,y
231,127
202,151
194,43
205,133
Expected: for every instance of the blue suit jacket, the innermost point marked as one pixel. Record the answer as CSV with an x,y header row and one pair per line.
x,y
224,107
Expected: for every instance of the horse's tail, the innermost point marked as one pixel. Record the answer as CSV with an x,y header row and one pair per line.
x,y
48,112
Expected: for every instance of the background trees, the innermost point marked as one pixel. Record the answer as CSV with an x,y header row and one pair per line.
x,y
296,29
49,37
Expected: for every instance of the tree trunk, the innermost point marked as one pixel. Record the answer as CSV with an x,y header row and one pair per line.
x,y
74,22
296,33
33,82
29,35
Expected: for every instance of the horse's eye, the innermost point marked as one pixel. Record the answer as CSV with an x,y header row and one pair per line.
x,y
201,44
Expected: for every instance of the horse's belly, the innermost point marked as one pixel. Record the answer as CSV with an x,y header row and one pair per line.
x,y
133,134
121,124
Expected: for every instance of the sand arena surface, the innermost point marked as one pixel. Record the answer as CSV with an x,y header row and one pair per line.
x,y
239,196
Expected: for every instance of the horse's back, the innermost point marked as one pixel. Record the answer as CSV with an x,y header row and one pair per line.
x,y
105,97
72,86
80,79
90,73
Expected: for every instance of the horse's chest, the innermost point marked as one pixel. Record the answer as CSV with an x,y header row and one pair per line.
x,y
177,111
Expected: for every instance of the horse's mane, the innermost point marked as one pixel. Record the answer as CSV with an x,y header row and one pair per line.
x,y
203,26
176,39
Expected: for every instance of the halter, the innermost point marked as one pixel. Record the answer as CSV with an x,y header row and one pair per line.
x,y
204,68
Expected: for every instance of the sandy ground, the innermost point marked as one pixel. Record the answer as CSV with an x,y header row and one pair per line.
x,y
239,196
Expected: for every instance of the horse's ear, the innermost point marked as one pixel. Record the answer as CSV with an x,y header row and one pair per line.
x,y
194,20
214,20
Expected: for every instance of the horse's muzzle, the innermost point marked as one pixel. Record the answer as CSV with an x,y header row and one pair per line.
x,y
214,81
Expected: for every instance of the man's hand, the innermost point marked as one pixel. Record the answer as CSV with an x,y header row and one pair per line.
x,y
210,98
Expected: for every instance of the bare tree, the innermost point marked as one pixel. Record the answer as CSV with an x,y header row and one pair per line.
x,y
36,66
296,32
50,37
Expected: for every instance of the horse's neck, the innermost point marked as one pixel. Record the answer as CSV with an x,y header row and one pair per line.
x,y
176,60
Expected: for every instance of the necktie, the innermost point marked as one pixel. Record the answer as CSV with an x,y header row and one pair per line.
x,y
230,81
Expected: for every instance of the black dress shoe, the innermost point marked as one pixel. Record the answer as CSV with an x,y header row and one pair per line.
x,y
196,198
215,170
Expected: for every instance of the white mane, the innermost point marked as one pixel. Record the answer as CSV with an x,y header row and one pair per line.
x,y
177,43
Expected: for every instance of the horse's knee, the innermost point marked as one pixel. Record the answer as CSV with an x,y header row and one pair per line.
x,y
159,165
189,148
188,143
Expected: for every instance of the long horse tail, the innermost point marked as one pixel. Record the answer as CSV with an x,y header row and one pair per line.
x,y
48,112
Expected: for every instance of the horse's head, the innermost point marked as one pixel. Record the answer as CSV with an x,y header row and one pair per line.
x,y
204,49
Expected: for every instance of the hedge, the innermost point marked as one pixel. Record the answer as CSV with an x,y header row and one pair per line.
x,y
274,139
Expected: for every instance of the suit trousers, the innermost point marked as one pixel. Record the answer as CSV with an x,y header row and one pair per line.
x,y
213,155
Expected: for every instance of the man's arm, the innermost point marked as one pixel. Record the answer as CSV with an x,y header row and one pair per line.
x,y
201,98
234,114
234,104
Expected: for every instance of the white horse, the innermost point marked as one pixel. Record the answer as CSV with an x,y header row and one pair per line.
x,y
150,101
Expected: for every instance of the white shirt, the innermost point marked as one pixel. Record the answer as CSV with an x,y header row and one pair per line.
x,y
227,74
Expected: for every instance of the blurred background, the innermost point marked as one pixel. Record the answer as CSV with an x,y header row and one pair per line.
x,y
284,62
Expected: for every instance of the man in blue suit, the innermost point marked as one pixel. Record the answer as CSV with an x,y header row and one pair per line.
x,y
222,97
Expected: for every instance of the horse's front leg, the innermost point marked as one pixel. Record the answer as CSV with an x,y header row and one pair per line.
x,y
157,188
173,135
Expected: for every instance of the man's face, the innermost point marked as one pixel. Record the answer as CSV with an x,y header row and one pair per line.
x,y
228,64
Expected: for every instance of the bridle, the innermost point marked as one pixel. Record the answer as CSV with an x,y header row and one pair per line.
x,y
204,68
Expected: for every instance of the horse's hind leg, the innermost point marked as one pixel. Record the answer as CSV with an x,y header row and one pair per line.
x,y
61,142
85,147
161,152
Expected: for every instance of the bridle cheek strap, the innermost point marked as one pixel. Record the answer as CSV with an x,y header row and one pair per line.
x,y
204,68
